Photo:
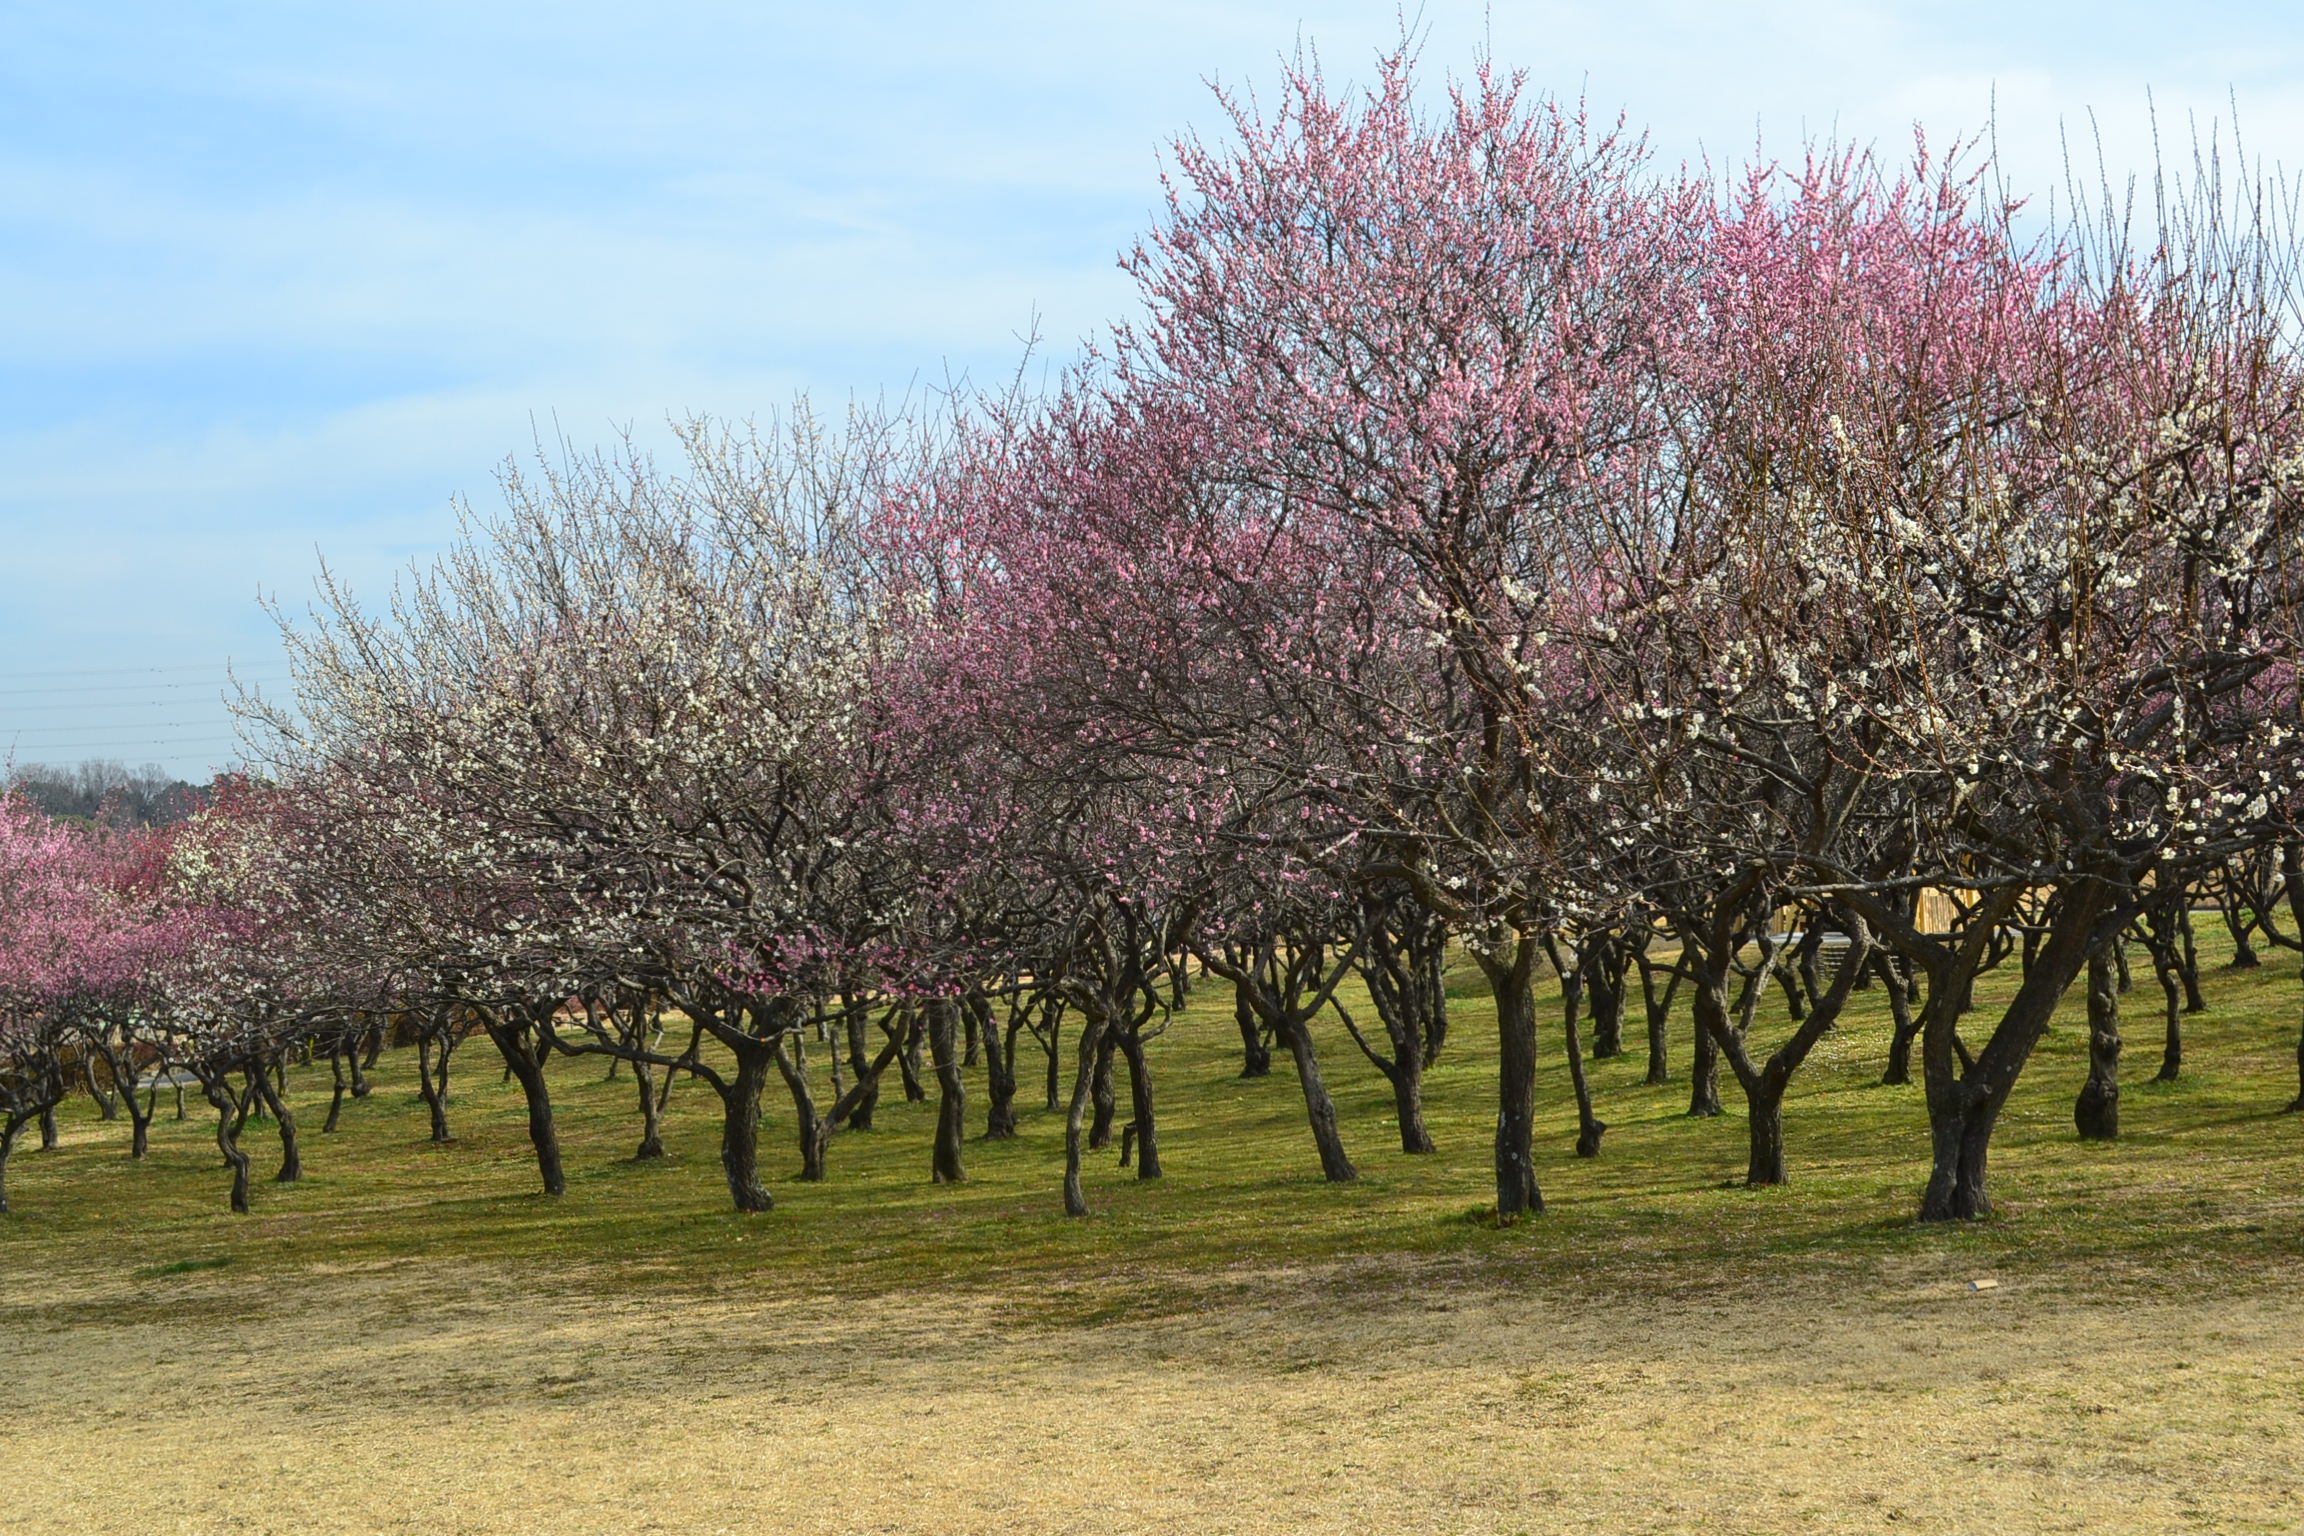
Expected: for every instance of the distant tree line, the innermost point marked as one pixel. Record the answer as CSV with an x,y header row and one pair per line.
x,y
103,789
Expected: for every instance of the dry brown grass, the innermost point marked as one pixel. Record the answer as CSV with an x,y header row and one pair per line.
x,y
1395,1394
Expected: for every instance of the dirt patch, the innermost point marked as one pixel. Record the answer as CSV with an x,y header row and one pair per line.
x,y
1383,1396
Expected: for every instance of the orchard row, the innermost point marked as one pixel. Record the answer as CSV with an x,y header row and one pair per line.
x,y
1483,543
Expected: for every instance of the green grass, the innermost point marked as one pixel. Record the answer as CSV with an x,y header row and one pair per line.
x,y
184,1267
2206,1186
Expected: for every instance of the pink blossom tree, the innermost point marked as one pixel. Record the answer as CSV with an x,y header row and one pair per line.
x,y
1406,356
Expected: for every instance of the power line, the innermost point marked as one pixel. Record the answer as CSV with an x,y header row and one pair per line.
x,y
146,706
156,725
188,666
16,693
53,752
90,743
114,706
57,756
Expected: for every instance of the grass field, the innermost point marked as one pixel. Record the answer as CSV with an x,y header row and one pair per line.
x,y
414,1339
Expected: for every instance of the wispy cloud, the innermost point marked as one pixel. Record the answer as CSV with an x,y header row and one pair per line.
x,y
277,277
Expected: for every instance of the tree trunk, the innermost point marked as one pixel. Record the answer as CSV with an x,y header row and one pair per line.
x,y
1659,1062
2292,869
433,1086
1407,997
651,1114
1435,989
1408,1102
1255,1055
50,1139
740,1127
1508,980
1808,964
1764,1084
336,1098
1764,1100
1083,1082
1140,1105
2096,1113
860,1063
908,1063
1335,1167
1964,1101
229,1113
521,1061
1960,1139
1704,1060
999,1073
2189,959
1795,1000
792,1061
1589,1127
945,1163
107,1104
1102,1096
2297,1103
8,1135
1605,987
291,1160
2172,1046
139,1120
1907,1027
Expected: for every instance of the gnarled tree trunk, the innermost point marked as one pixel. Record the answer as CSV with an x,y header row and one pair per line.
x,y
1704,1060
792,1061
1083,1082
945,1160
336,1097
651,1113
8,1134
2096,1112
1101,1095
859,1062
1319,1108
1140,1104
1509,979
1255,1056
999,1070
908,1063
1408,1104
523,1058
1965,1096
291,1160
231,1114
740,1126
1604,987
1589,1127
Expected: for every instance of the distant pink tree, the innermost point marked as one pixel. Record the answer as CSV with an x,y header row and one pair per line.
x,y
84,926
42,925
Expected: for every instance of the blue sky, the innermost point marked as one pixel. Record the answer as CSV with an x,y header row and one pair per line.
x,y
281,279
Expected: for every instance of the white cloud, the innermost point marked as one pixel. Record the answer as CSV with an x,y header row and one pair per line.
x,y
275,276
